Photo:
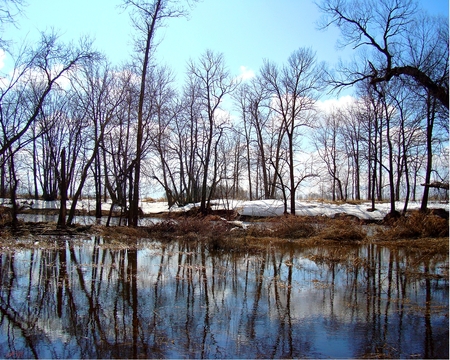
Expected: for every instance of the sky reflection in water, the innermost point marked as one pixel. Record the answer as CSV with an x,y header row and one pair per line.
x,y
83,299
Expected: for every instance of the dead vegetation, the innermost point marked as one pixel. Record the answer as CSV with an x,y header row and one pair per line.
x,y
220,234
415,225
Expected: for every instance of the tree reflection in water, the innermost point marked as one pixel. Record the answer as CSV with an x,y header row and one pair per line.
x,y
88,299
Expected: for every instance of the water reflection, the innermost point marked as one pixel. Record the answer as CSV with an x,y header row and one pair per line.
x,y
86,219
88,299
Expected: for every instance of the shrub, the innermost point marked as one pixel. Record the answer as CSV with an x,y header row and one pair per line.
x,y
416,225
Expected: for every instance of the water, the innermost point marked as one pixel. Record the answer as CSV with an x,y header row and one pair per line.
x,y
90,299
86,219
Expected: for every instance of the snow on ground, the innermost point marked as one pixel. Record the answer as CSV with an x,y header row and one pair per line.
x,y
262,208
306,208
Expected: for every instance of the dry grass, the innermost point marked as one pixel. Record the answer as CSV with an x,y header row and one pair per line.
x,y
415,225
319,228
5,215
416,231
342,230
295,227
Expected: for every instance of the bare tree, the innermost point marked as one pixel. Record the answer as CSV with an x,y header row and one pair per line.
x,y
354,139
146,17
213,83
117,145
54,126
164,108
36,73
254,104
48,63
294,90
388,29
9,10
98,95
330,145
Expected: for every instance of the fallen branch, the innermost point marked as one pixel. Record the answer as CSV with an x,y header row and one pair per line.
x,y
438,185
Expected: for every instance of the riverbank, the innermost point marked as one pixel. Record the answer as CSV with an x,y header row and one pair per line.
x,y
425,231
236,208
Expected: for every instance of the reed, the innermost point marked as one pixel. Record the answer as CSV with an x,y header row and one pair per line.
x,y
342,230
415,225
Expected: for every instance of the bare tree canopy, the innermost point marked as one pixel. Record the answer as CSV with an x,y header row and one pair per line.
x,y
395,41
9,10
147,17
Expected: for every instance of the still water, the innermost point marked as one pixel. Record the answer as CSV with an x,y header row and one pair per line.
x,y
86,219
88,299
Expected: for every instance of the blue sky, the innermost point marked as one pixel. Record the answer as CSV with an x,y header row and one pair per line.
x,y
245,31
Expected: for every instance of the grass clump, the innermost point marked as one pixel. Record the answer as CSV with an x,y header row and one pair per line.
x,y
341,230
416,225
295,227
319,228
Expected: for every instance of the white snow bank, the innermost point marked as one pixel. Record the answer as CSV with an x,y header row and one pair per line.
x,y
266,208
262,208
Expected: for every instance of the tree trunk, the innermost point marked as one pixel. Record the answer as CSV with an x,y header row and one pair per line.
x,y
291,169
391,162
431,111
203,204
13,191
134,200
98,187
63,192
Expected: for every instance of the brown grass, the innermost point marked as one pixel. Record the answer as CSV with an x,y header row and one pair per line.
x,y
413,231
295,227
342,230
415,225
5,215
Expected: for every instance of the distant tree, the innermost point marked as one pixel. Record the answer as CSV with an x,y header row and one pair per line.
x,y
97,95
54,126
188,143
294,90
395,42
36,73
163,108
352,129
263,140
213,82
118,143
330,145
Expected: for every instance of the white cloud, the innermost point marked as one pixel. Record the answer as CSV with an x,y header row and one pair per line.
x,y
331,105
245,73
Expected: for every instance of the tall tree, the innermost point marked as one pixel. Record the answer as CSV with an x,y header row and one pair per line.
x,y
213,82
294,89
47,64
147,17
329,143
36,73
98,95
254,103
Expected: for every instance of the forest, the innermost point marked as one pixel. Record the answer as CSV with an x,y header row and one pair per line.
x,y
73,125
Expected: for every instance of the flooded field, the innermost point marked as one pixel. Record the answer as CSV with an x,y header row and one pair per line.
x,y
85,219
90,298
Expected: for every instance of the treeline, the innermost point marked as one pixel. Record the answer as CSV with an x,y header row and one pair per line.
x,y
72,124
